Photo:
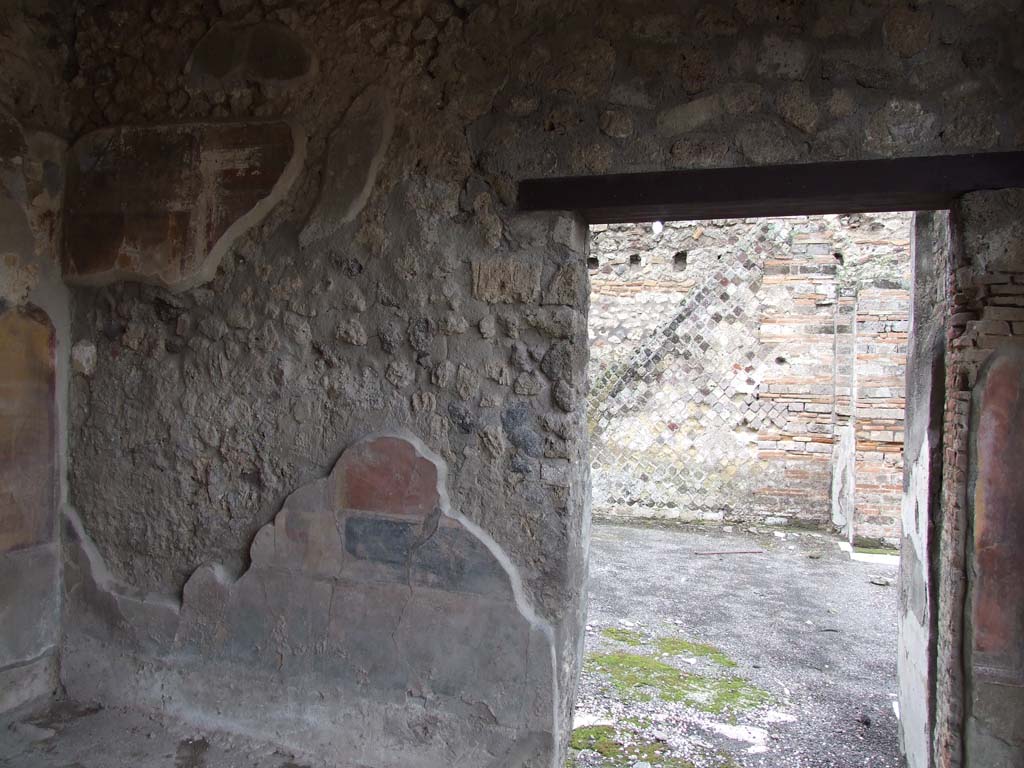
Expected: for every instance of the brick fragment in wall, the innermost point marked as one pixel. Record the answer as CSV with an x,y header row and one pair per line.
x,y
566,287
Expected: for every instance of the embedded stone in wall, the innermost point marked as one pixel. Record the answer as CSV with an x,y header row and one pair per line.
x,y
566,287
502,280
993,229
28,472
354,156
163,204
231,54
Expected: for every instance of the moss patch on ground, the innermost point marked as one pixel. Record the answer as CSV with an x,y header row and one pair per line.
x,y
622,749
599,738
627,636
640,678
877,551
676,646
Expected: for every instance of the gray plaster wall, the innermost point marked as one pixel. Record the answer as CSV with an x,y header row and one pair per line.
x,y
921,512
35,320
417,298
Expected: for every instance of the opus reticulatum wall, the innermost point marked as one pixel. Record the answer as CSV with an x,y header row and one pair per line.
x,y
728,358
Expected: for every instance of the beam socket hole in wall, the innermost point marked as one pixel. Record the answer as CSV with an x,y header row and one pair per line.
x,y
593,263
716,320
840,259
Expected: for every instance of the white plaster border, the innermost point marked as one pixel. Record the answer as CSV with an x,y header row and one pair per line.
x,y
522,602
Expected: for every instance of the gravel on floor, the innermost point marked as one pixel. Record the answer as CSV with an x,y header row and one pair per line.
x,y
69,734
784,656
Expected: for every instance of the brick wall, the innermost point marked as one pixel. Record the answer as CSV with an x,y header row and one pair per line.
x,y
725,353
881,358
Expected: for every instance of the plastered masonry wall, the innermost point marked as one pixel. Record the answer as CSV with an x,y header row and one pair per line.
x,y
339,254
34,345
728,357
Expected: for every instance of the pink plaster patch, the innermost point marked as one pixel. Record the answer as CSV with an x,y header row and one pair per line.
x,y
387,475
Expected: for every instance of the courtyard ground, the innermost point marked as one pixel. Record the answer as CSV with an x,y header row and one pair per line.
x,y
781,659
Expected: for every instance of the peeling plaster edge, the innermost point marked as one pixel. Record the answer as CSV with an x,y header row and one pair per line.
x,y
104,579
209,82
207,269
314,231
522,602
53,297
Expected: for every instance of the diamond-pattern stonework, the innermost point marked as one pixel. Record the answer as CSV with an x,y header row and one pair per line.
x,y
718,355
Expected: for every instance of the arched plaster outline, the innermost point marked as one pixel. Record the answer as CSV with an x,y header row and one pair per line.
x,y
107,582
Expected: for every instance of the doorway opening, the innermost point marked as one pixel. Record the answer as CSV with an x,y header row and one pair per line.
x,y
746,408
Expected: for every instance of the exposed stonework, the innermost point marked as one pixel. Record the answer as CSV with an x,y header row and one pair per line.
x,y
17,273
31,192
368,599
728,356
164,204
36,44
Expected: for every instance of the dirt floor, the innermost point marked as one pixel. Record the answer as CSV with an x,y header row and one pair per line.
x,y
781,659
73,735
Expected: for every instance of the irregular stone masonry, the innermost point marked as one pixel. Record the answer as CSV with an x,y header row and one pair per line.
x,y
725,354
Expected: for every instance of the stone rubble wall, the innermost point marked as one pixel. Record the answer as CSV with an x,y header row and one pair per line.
x,y
725,353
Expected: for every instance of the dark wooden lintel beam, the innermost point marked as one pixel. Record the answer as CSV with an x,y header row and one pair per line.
x,y
857,186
